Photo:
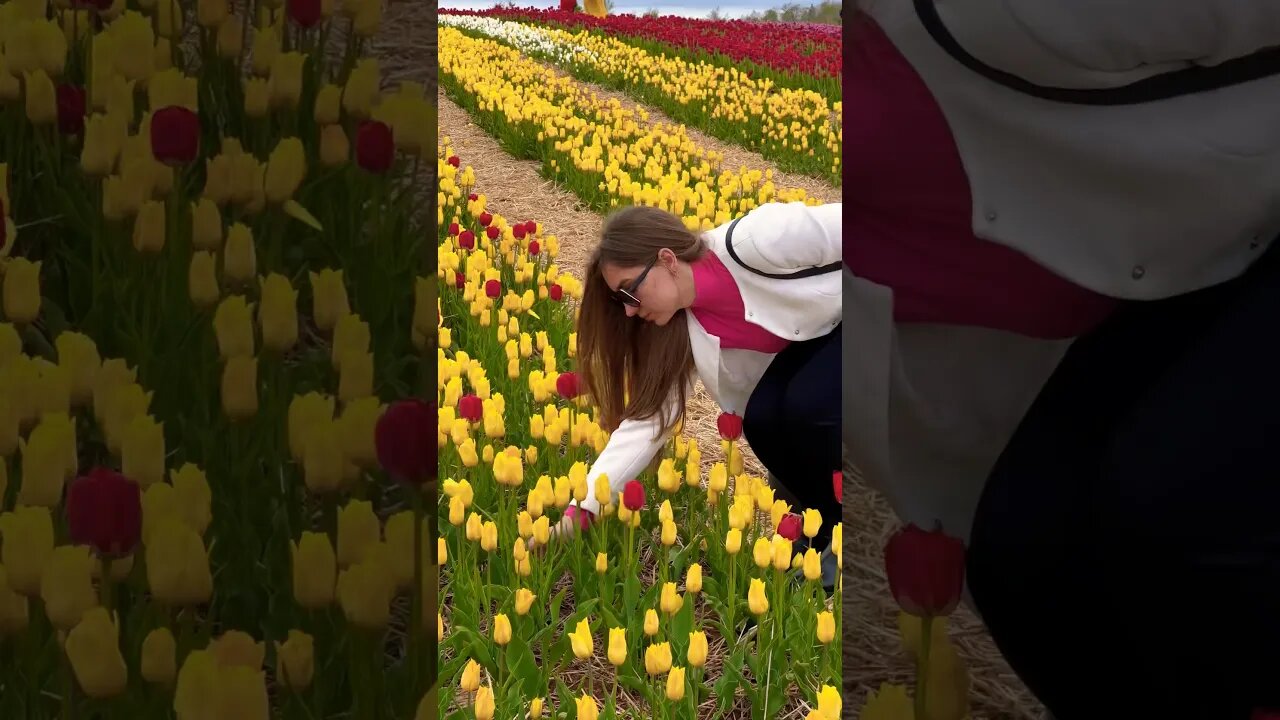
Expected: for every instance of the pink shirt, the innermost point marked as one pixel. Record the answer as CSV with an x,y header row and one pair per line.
x,y
909,219
717,304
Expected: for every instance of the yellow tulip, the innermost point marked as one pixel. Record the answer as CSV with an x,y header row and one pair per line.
x,y
278,313
314,571
586,708
365,591
602,562
524,600
837,544
42,103
469,681
697,655
22,291
14,612
362,88
535,708
27,534
93,648
159,657
668,535
826,627
240,261
242,693
489,536
358,530
44,467
231,37
286,169
657,658
236,647
355,379
286,79
257,98
233,327
199,690
812,522
617,646
143,451
206,225
202,280
67,585
581,641
671,601
675,684
756,599
335,148
762,553
329,297
733,541
501,628
240,388
170,87
266,45
830,702
168,19
104,137
693,579
296,660
781,550
178,565
484,705
891,702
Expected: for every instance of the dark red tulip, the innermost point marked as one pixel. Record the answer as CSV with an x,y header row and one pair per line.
x,y
454,229
485,219
305,13
556,292
460,281
567,385
837,484
518,231
467,240
729,425
493,232
633,495
70,109
534,248
472,197
175,135
104,511
925,570
470,407
568,5
405,438
790,526
531,227
375,147
454,161
492,288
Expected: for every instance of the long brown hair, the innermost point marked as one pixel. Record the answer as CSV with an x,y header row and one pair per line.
x,y
616,351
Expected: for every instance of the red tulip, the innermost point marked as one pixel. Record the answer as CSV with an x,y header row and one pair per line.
x,y
534,248
531,227
568,5
104,511
729,425
454,161
467,240
306,13
375,147
175,135
567,385
492,288
790,526
454,229
837,483
472,197
633,495
556,292
70,109
405,441
460,281
493,232
925,571
485,219
518,231
470,407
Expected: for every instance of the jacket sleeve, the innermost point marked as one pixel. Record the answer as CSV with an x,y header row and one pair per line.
x,y
630,449
792,236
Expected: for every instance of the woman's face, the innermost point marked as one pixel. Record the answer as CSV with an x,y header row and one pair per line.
x,y
653,286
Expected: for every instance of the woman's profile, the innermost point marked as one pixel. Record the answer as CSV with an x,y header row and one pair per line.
x,y
752,308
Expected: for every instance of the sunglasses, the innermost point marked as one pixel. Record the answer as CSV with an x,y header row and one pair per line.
x,y
626,295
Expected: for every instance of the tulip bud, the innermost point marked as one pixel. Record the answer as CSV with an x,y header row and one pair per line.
x,y
365,590
178,565
484,705
501,629
362,89
586,708
278,314
328,105
402,442
657,658
469,681
329,297
335,149
675,684
104,512
670,600
602,563
651,622
826,627
286,79
240,261
286,169
14,612
697,655
27,534
524,600
355,378
925,570
206,225
757,601
149,228
240,388
581,641
266,45
693,579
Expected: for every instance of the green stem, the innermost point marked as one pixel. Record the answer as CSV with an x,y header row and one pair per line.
x,y
922,668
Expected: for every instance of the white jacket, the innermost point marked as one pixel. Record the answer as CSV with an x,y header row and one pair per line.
x,y
1134,200
775,238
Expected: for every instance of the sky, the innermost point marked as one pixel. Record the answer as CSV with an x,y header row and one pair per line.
x,y
685,8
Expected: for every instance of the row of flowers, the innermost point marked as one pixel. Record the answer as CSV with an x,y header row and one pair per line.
x,y
604,153
223,206
792,54
800,130
732,578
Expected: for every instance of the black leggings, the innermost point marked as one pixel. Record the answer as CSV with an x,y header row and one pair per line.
x,y
1125,553
792,423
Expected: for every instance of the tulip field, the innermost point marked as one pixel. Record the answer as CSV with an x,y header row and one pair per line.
x,y
216,312
694,595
